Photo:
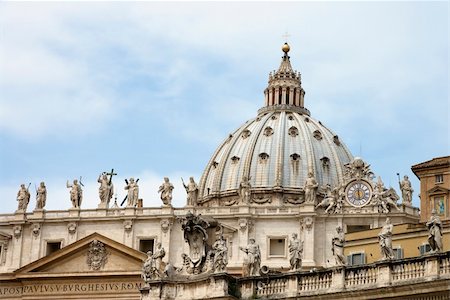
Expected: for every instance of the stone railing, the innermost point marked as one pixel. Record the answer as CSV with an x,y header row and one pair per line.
x,y
399,272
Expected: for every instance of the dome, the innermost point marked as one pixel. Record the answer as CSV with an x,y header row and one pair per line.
x,y
276,150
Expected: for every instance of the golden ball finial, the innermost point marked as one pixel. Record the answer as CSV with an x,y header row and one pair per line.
x,y
285,48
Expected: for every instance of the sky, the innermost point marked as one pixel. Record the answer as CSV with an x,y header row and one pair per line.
x,y
152,88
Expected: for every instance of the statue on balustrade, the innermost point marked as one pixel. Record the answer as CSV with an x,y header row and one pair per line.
x,y
41,196
338,247
106,189
295,252
407,190
253,261
158,256
149,271
133,192
166,189
23,197
385,239
435,232
310,188
76,193
192,191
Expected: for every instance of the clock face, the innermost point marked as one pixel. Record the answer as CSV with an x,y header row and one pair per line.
x,y
358,193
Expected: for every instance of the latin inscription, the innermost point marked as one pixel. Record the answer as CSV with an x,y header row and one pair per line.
x,y
33,289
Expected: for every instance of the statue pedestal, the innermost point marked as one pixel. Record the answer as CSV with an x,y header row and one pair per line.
x,y
101,211
130,210
37,214
19,215
167,210
74,212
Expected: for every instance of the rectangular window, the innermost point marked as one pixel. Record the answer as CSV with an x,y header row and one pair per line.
x,y
356,259
146,245
398,253
53,247
357,228
439,178
277,247
1,254
424,249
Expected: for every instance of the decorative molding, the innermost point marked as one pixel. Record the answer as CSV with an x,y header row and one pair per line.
x,y
294,200
245,224
166,225
72,227
128,225
308,222
17,231
261,199
97,255
36,229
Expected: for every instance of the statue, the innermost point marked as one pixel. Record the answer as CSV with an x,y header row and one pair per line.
x,y
106,189
192,191
330,200
384,198
23,197
295,252
166,191
76,193
158,256
253,261
41,196
149,271
220,260
385,238
245,190
338,247
407,190
133,192
435,232
310,188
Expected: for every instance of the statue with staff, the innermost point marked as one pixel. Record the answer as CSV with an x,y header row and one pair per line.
x,y
106,189
133,192
76,192
191,190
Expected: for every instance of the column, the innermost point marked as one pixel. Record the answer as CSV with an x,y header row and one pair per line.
x,y
307,225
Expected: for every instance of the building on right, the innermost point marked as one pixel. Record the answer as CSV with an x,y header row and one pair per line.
x,y
434,176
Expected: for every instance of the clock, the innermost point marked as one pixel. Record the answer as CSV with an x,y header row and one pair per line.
x,y
358,193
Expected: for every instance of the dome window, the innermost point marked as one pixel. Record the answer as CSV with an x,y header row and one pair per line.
x,y
293,131
263,157
246,133
235,160
336,140
274,117
295,157
306,119
317,135
215,164
325,162
290,118
268,131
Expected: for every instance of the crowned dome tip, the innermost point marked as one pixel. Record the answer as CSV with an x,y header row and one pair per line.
x,y
286,47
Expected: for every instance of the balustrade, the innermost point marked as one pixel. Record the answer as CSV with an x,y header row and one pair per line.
x,y
271,286
444,266
408,270
314,282
361,276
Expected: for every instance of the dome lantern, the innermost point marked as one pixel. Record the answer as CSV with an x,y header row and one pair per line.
x,y
285,86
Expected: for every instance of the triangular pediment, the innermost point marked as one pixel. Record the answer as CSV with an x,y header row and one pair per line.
x,y
438,190
4,236
73,259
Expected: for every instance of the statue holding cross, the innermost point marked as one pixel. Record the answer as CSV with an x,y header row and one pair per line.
x,y
106,189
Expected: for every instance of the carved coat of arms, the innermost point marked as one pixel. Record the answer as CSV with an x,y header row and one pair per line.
x,y
97,255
